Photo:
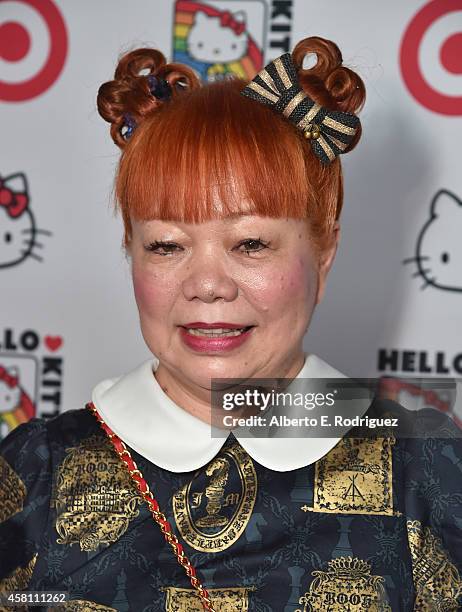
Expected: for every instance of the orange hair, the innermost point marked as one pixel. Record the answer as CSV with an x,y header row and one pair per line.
x,y
209,143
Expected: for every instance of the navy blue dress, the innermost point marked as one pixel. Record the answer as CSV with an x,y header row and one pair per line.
x,y
375,524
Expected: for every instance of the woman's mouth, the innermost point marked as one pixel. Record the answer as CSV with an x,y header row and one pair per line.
x,y
218,339
217,333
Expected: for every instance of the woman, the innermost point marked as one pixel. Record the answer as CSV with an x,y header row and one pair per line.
x,y
230,195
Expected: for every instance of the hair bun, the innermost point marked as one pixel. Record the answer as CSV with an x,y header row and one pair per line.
x,y
130,93
328,82
341,88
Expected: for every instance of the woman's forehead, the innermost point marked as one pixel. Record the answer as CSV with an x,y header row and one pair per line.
x,y
227,222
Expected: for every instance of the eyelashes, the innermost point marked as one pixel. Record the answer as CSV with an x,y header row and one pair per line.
x,y
263,244
154,246
169,247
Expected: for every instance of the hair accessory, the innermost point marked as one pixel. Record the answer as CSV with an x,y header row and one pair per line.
x,y
277,86
160,89
128,127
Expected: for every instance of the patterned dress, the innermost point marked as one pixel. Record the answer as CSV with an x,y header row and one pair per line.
x,y
375,524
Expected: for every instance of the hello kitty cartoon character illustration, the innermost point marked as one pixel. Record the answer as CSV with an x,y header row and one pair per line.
x,y
438,252
15,405
215,42
18,230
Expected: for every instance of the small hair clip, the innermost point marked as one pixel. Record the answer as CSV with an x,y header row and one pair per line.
x,y
128,127
159,88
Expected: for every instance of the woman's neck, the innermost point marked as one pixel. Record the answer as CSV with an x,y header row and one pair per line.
x,y
197,400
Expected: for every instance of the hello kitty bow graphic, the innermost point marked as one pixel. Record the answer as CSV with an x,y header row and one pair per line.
x,y
18,230
14,202
227,20
16,406
7,378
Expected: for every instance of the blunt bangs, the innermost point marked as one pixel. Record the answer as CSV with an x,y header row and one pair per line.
x,y
213,153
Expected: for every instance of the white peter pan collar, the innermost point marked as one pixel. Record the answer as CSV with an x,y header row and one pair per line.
x,y
138,410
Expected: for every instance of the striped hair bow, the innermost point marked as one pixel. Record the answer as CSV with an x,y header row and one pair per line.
x,y
277,86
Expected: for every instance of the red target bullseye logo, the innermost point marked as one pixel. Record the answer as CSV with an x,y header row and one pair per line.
x,y
23,21
446,48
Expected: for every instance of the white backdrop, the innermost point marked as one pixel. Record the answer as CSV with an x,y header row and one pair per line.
x,y
68,318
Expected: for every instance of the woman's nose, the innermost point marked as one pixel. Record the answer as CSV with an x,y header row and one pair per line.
x,y
209,279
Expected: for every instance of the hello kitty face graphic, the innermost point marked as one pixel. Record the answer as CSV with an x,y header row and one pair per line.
x,y
438,254
218,39
18,230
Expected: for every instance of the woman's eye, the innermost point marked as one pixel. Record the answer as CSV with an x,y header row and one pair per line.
x,y
251,243
155,247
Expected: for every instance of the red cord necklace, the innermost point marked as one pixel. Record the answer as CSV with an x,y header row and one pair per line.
x,y
153,506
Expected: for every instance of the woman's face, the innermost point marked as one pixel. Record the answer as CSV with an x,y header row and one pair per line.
x,y
247,271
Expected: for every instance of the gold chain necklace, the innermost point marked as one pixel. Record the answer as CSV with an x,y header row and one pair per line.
x,y
153,506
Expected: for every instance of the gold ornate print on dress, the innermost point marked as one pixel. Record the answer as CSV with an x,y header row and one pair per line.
x,y
232,599
81,605
213,509
355,477
20,578
12,491
346,585
437,581
18,581
94,496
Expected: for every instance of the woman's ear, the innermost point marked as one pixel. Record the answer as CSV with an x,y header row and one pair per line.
x,y
326,259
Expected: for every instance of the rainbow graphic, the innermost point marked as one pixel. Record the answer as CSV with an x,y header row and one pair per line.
x,y
246,67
